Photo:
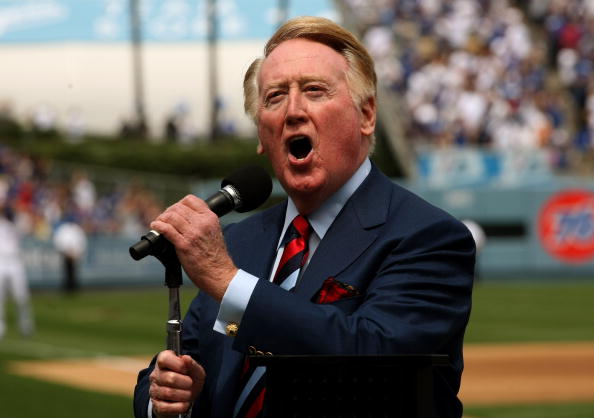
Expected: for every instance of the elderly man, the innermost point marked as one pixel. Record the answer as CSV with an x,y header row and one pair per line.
x,y
367,267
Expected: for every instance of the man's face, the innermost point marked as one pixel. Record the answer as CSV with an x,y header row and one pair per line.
x,y
308,125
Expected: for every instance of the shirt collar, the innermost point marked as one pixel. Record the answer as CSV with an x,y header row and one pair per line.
x,y
321,219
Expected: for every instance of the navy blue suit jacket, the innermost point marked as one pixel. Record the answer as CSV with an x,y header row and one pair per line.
x,y
411,262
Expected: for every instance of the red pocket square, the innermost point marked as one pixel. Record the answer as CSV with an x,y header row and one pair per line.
x,y
333,290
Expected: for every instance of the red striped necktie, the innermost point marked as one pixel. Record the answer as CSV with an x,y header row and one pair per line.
x,y
296,249
251,400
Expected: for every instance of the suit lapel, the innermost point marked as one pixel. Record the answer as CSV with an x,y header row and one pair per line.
x,y
357,222
254,250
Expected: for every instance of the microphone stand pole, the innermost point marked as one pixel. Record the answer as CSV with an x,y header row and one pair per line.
x,y
173,280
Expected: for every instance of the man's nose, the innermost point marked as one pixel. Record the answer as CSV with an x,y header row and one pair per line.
x,y
295,109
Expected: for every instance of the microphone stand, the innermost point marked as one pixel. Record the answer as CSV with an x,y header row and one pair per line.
x,y
173,280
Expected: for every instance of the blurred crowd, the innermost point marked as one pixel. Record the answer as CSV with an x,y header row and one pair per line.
x,y
498,74
39,201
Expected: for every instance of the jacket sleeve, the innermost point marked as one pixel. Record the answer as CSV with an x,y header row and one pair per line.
x,y
141,392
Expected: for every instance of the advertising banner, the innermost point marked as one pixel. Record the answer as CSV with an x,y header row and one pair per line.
x,y
566,226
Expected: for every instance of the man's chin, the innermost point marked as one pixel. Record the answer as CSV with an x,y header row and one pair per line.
x,y
302,182
308,191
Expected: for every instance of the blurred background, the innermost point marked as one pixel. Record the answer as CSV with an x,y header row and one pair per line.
x,y
110,110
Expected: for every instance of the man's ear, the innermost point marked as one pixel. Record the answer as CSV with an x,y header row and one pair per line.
x,y
368,116
260,148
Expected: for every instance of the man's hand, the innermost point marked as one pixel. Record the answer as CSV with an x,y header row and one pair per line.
x,y
176,382
195,232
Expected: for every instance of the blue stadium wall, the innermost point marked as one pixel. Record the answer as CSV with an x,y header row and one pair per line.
x,y
518,254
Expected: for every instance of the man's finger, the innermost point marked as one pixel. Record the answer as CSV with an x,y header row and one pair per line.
x,y
194,369
170,408
169,361
170,394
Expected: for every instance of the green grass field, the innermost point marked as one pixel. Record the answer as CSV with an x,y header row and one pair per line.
x,y
131,322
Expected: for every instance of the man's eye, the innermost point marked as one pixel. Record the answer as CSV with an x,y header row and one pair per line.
x,y
314,91
273,97
313,88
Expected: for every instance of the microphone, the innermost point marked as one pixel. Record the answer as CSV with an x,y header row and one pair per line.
x,y
242,191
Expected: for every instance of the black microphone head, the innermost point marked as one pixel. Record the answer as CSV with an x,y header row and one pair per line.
x,y
253,184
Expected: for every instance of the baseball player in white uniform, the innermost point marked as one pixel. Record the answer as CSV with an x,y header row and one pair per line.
x,y
13,279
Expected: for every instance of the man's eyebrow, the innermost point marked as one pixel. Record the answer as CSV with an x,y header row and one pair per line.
x,y
302,80
275,85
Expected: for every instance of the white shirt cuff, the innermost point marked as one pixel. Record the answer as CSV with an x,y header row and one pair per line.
x,y
235,300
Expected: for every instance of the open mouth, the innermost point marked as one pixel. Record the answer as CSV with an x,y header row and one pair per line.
x,y
300,147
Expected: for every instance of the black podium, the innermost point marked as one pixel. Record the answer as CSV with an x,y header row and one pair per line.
x,y
349,386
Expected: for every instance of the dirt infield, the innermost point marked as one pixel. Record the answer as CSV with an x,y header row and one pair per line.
x,y
116,375
494,374
528,373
